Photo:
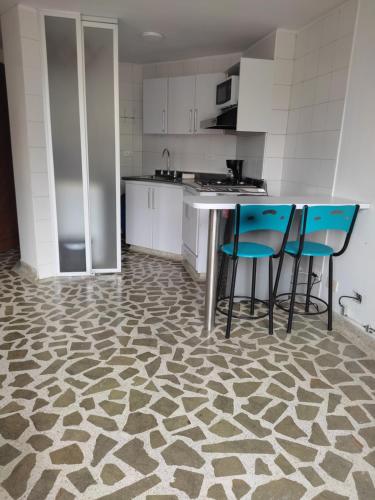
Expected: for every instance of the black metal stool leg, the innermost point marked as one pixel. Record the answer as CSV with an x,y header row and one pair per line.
x,y
293,297
278,274
309,277
330,284
220,277
270,296
231,298
253,282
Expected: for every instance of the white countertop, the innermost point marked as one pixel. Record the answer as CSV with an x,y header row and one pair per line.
x,y
222,202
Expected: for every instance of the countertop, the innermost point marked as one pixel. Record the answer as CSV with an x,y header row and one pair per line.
x,y
222,202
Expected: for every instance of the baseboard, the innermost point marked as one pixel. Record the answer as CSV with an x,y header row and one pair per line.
x,y
355,333
157,253
26,271
200,277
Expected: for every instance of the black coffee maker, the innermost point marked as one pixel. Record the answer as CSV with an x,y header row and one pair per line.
x,y
236,167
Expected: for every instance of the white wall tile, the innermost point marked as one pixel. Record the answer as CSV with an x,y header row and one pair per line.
x,y
279,122
334,114
34,108
38,159
36,134
342,51
293,120
323,88
274,146
330,27
348,14
285,44
305,119
326,57
29,23
42,208
43,231
33,81
319,119
39,184
281,96
31,53
311,65
338,84
283,71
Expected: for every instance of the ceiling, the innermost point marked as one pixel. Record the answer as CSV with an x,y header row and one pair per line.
x,y
192,28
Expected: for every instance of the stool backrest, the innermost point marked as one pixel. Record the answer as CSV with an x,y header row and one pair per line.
x,y
326,218
263,218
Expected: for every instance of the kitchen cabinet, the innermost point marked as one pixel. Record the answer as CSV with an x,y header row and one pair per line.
x,y
181,105
177,105
138,215
155,106
154,216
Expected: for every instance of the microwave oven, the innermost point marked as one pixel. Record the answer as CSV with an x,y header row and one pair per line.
x,y
227,92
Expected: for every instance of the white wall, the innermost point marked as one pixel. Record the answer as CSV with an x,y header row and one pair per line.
x,y
130,100
198,153
355,176
321,62
22,56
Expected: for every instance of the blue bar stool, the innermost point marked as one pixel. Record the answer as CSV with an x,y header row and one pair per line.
x,y
314,219
249,218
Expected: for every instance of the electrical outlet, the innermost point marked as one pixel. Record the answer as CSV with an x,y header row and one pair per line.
x,y
358,296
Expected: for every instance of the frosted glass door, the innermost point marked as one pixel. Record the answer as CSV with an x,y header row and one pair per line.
x,y
101,109
62,72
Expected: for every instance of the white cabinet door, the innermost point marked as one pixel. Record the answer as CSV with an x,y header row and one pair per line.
x,y
181,91
255,95
155,104
138,214
167,218
205,100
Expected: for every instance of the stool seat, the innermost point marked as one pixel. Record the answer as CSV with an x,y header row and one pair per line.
x,y
310,249
248,250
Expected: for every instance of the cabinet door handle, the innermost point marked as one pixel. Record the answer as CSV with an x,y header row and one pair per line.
x,y
163,121
153,199
195,120
190,120
148,198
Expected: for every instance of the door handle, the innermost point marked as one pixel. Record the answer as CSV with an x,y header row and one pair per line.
x,y
153,199
163,121
195,120
190,120
148,198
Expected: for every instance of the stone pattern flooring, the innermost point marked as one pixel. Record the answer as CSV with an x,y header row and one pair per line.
x,y
109,389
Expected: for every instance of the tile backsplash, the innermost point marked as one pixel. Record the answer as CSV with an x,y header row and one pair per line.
x,y
130,103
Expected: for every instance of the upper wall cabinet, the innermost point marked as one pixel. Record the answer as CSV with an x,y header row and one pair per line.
x,y
190,99
255,95
181,105
155,104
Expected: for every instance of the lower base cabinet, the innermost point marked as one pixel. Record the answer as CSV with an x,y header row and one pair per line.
x,y
154,216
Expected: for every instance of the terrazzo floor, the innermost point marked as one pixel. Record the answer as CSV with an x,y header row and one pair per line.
x,y
109,389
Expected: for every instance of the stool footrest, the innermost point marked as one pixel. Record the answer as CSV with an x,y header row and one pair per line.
x,y
248,317
279,303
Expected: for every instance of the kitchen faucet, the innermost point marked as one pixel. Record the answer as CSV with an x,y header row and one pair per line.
x,y
166,151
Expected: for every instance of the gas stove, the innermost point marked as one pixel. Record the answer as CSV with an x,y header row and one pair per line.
x,y
229,185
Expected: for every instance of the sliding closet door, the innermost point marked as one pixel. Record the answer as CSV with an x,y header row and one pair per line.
x,y
101,88
66,131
